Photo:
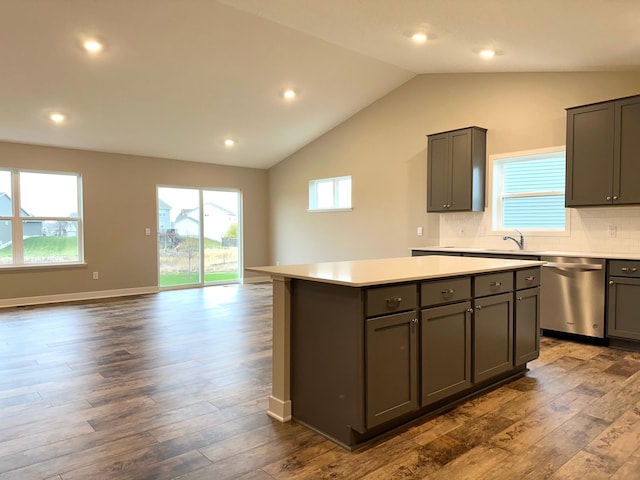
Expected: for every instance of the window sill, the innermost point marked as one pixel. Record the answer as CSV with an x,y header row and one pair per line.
x,y
42,266
324,210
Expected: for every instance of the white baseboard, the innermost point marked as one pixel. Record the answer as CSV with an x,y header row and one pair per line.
x,y
74,297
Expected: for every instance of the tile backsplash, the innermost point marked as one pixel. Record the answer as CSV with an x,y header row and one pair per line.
x,y
597,229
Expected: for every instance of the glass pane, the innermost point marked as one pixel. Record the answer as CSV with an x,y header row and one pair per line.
x,y
543,212
6,205
48,195
6,251
221,217
324,191
178,236
50,242
344,193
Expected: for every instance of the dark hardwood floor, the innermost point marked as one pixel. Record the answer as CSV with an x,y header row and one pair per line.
x,y
174,385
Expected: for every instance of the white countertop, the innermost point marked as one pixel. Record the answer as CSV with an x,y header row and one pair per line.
x,y
361,273
540,253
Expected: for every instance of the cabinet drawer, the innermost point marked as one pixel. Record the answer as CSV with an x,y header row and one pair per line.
x,y
445,291
492,283
398,298
527,278
624,268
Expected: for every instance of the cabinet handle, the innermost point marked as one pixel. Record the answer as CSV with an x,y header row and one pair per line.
x,y
615,197
608,198
611,282
478,307
393,302
520,299
449,291
530,278
629,269
495,284
469,310
414,320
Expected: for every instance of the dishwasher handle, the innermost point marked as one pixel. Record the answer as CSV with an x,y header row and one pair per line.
x,y
574,266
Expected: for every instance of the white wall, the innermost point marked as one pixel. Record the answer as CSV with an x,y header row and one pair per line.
x,y
383,147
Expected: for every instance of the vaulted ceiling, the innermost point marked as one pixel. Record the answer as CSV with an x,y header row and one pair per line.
x,y
176,78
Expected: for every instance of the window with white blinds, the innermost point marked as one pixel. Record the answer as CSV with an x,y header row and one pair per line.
x,y
529,192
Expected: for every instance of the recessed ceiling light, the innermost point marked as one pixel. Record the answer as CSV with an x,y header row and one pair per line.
x,y
92,45
487,53
57,117
229,142
289,93
419,37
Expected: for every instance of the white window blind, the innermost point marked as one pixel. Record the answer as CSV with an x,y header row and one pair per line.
x,y
529,192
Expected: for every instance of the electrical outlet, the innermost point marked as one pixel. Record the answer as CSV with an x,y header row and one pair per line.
x,y
612,231
95,275
420,231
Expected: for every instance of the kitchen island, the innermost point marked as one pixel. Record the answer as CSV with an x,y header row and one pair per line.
x,y
361,348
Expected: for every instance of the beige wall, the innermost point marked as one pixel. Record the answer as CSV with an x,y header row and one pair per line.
x,y
383,148
119,202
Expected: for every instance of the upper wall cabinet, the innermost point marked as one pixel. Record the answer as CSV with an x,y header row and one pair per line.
x,y
603,153
456,170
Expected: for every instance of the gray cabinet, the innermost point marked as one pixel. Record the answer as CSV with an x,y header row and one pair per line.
x,y
603,147
445,338
623,321
456,170
526,343
391,367
492,325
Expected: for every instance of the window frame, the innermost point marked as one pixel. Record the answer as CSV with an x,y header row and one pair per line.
x,y
495,184
313,194
16,220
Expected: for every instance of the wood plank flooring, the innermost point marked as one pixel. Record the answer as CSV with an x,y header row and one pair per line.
x,y
174,386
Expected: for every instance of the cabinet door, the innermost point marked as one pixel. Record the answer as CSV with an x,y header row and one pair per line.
x,y
460,171
392,367
445,334
438,173
626,175
527,326
590,134
623,320
492,336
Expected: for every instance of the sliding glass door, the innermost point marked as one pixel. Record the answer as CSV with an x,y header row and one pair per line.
x,y
198,236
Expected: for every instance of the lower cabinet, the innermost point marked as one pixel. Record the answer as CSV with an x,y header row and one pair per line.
x,y
445,338
492,336
622,318
527,326
391,367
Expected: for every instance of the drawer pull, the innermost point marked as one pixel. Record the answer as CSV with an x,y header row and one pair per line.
x,y
495,284
530,278
520,299
448,291
627,269
394,302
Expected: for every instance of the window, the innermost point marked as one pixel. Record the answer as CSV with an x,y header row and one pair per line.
x,y
330,194
40,217
528,191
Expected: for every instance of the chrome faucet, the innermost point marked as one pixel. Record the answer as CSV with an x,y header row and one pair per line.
x,y
520,242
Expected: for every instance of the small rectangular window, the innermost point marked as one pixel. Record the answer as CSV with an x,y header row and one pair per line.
x,y
528,191
330,194
40,218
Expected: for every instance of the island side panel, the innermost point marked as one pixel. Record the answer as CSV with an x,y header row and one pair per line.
x,y
280,399
327,358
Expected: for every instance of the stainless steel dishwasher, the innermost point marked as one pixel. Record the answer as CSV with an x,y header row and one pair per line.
x,y
572,295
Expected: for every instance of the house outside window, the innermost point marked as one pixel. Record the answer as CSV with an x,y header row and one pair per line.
x,y
330,194
40,218
528,191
